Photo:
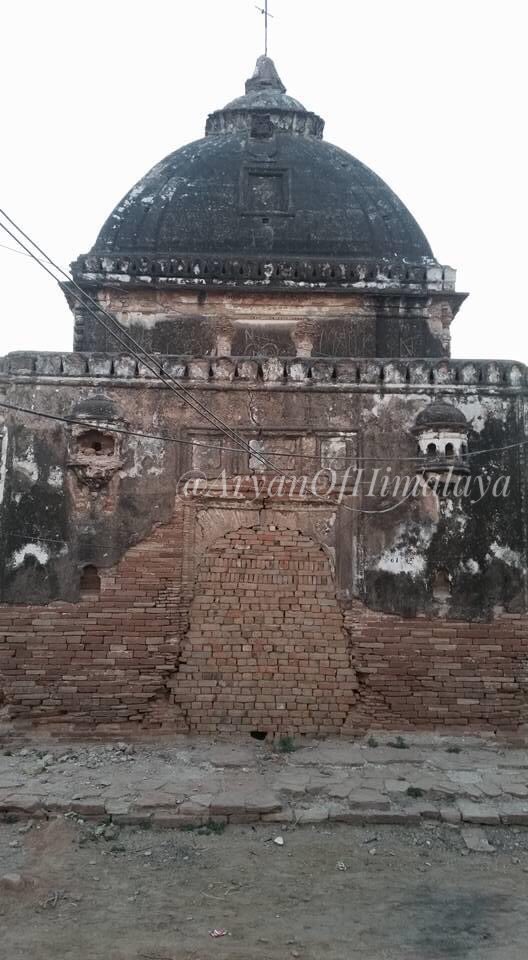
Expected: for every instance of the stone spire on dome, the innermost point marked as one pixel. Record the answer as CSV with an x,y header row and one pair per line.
x,y
265,77
265,91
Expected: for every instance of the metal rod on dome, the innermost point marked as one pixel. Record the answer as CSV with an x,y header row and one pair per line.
x,y
266,14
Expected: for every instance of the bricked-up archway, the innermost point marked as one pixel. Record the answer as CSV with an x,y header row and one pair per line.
x,y
266,649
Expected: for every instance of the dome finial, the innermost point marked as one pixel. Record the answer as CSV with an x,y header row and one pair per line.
x,y
265,77
266,14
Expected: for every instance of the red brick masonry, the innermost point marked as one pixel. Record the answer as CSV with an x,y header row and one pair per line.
x,y
264,645
267,649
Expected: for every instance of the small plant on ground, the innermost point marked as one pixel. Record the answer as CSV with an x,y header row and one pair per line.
x,y
414,792
454,749
399,743
372,742
215,826
205,829
286,744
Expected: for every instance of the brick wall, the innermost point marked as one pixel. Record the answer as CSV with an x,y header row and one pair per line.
x,y
263,645
266,649
104,660
427,673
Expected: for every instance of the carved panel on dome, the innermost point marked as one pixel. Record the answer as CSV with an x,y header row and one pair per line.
x,y
262,127
265,190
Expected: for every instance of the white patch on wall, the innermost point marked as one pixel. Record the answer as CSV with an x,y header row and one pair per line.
x,y
402,560
56,478
36,550
508,556
3,460
474,411
149,455
471,566
461,521
405,557
27,465
133,195
381,401
142,319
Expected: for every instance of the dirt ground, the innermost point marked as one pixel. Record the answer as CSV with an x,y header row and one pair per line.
x,y
337,892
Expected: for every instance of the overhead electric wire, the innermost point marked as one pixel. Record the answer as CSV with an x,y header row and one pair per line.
x,y
151,362
111,428
156,368
20,253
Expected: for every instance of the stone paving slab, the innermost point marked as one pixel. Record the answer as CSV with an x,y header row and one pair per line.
x,y
188,782
478,813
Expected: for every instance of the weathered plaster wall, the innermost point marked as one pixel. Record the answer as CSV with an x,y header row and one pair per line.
x,y
217,323
364,410
429,598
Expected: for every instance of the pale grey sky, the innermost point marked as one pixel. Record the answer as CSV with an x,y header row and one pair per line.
x,y
432,96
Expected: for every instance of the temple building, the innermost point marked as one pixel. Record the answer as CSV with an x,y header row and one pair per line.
x,y
260,497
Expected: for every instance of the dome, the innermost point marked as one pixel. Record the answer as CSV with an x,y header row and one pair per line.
x,y
261,185
440,415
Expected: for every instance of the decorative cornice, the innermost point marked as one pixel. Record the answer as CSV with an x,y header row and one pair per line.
x,y
481,374
262,272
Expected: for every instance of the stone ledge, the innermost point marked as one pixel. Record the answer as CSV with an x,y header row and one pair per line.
x,y
325,371
265,272
240,809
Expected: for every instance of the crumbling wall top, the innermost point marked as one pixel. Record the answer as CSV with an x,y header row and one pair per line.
x,y
328,372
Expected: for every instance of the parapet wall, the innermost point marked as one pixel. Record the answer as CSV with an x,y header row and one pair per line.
x,y
343,372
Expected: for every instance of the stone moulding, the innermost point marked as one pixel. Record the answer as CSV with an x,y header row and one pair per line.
x,y
301,122
97,474
324,371
267,272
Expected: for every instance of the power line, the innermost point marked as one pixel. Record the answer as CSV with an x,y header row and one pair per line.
x,y
160,373
12,250
153,364
150,362
110,428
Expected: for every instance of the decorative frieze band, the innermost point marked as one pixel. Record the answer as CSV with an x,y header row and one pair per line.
x,y
204,270
496,373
